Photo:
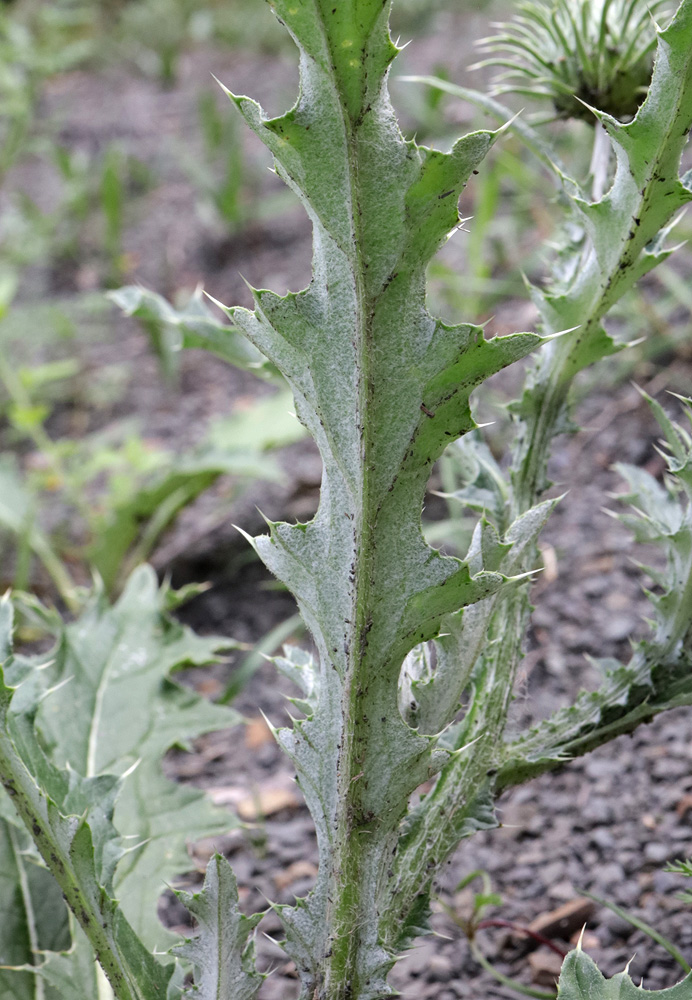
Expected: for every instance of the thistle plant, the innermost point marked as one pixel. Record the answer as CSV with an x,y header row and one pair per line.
x,y
590,52
415,654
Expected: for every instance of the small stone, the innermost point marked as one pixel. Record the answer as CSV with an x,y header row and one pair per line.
x,y
266,802
630,860
293,832
627,894
440,969
416,962
545,967
669,767
602,839
566,919
619,627
667,882
598,812
522,873
561,890
657,853
298,870
617,925
552,873
600,767
610,874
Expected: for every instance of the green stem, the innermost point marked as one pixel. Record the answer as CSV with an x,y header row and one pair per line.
x,y
348,866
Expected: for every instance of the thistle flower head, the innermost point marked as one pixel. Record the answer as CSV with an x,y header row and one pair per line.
x,y
568,51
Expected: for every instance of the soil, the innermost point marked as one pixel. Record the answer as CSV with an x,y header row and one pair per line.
x,y
606,824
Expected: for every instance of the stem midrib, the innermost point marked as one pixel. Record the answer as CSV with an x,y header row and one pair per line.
x,y
341,967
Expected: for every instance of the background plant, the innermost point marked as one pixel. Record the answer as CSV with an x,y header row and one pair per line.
x,y
597,53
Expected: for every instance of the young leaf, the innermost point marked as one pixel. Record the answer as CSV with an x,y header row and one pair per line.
x,y
110,675
69,819
223,952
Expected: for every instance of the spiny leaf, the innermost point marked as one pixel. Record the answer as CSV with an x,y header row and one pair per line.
x,y
223,951
359,341
580,979
659,673
69,819
111,677
624,232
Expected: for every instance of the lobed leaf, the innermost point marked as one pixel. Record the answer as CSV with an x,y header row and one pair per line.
x,y
580,979
109,660
70,820
223,951
111,676
659,673
360,342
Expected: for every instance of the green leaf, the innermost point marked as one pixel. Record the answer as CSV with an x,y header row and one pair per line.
x,y
223,951
195,325
383,387
74,975
580,979
659,673
128,531
34,915
267,423
69,819
110,674
624,233
71,974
